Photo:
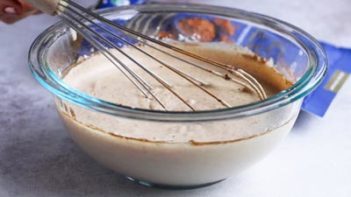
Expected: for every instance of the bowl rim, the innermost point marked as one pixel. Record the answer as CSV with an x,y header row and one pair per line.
x,y
317,61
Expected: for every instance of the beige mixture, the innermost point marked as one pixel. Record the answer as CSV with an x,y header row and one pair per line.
x,y
98,77
176,153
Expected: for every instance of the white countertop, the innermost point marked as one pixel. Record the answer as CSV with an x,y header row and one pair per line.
x,y
37,158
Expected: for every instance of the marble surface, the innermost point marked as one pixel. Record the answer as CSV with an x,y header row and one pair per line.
x,y
37,157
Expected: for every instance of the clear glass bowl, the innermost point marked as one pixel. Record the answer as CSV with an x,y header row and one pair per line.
x,y
261,125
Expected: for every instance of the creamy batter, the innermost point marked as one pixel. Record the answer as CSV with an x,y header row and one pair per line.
x,y
97,76
176,153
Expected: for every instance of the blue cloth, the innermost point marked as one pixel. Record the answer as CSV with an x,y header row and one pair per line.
x,y
339,60
112,3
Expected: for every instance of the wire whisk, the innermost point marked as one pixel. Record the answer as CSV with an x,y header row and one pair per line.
x,y
104,35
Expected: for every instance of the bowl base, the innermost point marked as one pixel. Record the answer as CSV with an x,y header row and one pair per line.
x,y
170,187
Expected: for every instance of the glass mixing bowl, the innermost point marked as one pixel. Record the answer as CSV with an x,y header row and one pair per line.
x,y
261,125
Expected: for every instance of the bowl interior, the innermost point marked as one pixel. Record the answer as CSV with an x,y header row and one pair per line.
x,y
294,53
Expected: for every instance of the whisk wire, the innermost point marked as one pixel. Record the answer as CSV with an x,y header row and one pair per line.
x,y
81,20
187,77
144,38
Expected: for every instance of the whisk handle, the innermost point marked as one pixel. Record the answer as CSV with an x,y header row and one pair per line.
x,y
47,6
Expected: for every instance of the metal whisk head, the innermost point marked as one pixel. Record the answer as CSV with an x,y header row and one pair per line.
x,y
93,27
